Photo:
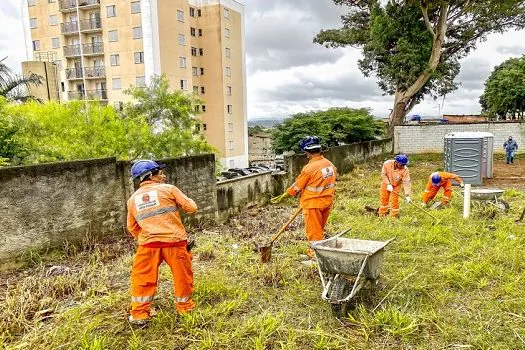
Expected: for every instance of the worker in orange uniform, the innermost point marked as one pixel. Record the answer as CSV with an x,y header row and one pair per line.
x,y
316,184
154,221
394,174
439,180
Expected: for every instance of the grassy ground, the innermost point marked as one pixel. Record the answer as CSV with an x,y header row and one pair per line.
x,y
457,285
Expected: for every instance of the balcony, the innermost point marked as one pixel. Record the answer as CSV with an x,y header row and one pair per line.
x,y
91,25
92,95
95,72
93,49
72,51
70,5
68,28
74,73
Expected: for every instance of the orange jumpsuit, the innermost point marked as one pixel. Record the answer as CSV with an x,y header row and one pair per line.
x,y
316,183
396,178
431,190
154,220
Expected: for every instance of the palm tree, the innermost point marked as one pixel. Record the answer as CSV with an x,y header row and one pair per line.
x,y
15,87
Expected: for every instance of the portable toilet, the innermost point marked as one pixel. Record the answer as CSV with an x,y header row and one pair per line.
x,y
470,155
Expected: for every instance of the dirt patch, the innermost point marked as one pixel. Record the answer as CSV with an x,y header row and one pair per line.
x,y
507,175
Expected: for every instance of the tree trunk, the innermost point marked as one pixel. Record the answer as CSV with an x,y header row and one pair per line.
x,y
397,116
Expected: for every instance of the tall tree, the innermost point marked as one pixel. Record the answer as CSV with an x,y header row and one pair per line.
x,y
504,95
414,46
15,87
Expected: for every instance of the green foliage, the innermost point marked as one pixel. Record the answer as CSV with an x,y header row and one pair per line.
x,y
254,130
504,95
335,126
14,87
35,133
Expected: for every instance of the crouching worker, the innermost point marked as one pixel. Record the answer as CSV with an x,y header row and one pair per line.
x,y
316,184
439,180
394,173
154,221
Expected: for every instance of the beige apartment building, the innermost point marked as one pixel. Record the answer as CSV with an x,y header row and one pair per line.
x,y
102,47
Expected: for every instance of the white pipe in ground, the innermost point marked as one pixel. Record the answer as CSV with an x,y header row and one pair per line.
x,y
466,201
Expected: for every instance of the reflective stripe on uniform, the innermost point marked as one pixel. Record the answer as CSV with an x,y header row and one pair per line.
x,y
427,191
182,299
445,197
142,299
394,210
157,212
319,189
384,206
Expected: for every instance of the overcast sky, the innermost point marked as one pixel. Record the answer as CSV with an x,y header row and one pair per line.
x,y
287,73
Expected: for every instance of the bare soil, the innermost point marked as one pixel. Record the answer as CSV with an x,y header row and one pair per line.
x,y
507,175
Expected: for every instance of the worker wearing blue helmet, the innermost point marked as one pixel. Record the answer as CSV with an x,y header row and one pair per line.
x,y
394,174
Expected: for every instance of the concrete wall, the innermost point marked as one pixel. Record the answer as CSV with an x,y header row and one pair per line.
x,y
429,138
343,157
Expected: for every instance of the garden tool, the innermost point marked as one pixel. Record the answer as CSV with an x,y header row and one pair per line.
x,y
266,251
279,198
436,220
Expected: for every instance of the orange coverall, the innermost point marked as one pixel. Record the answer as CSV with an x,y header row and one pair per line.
x,y
316,183
431,190
396,178
154,220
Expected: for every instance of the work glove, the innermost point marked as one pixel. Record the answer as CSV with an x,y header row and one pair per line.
x,y
278,199
462,184
389,188
408,199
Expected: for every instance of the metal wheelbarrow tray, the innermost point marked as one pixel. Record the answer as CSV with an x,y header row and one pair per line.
x,y
343,260
490,196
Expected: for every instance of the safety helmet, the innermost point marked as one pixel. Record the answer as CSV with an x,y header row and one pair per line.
x,y
401,159
310,143
142,168
436,178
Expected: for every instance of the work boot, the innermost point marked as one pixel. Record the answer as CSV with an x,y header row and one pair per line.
x,y
311,254
135,322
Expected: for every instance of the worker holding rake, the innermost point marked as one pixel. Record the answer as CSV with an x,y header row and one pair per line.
x,y
394,174
316,185
437,180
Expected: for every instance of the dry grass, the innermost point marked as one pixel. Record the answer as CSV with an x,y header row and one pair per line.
x,y
453,286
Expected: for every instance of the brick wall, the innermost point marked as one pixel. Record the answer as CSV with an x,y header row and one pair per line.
x,y
430,138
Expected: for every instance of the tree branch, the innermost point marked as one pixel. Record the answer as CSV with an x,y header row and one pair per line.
x,y
424,10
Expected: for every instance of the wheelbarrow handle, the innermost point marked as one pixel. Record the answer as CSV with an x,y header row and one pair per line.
x,y
281,230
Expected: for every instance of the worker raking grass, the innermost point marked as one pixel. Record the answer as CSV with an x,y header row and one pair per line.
x,y
394,174
155,222
438,180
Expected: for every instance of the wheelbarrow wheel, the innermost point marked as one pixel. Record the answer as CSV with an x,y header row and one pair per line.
x,y
339,290
502,205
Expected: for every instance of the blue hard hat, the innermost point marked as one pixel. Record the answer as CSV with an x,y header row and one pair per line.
x,y
144,167
401,159
436,178
310,143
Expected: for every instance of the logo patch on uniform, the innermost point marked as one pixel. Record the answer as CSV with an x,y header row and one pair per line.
x,y
147,200
328,172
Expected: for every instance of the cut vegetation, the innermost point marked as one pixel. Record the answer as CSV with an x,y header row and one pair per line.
x,y
455,285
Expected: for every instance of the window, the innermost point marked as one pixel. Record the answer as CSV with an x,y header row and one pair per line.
x,y
36,45
196,109
199,13
230,127
182,39
183,84
202,71
113,35
230,145
50,1
226,32
228,52
180,16
192,12
137,32
201,52
140,81
200,32
194,51
203,108
196,89
31,2
53,20
111,10
232,163
204,127
114,60
135,7
139,57
58,64
193,31
32,23
63,86
228,71
118,105
230,109
194,71
203,90
55,43
228,90
116,83
182,62
226,13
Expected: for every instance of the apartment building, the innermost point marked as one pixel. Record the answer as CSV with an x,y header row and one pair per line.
x,y
102,47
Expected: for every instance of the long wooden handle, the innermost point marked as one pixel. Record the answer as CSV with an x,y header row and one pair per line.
x,y
417,206
281,230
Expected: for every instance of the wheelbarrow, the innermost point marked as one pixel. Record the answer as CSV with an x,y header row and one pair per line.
x,y
487,196
345,265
